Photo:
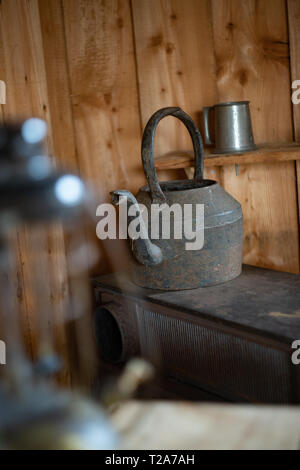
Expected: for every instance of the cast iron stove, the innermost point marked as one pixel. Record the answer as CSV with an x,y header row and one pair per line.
x,y
233,340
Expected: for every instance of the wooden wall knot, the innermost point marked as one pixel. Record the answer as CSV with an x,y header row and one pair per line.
x,y
169,47
156,41
275,49
230,26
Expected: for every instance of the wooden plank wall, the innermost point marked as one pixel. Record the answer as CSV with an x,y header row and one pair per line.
x,y
96,70
253,36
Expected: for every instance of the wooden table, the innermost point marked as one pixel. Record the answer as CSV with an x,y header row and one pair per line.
x,y
183,425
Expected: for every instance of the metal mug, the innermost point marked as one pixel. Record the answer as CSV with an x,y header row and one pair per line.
x,y
233,129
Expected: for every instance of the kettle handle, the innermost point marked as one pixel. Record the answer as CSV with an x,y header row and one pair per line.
x,y
148,152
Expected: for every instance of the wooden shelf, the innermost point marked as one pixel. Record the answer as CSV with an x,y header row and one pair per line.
x,y
264,154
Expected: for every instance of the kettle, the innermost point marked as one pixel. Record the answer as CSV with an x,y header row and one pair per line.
x,y
171,214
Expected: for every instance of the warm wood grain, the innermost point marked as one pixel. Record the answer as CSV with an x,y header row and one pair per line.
x,y
175,64
293,7
104,92
252,59
100,54
64,149
180,425
24,72
23,69
58,86
264,154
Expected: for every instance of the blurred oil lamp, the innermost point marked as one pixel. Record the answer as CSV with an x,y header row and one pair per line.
x,y
35,413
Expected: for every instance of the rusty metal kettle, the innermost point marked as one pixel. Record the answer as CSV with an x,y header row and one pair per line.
x,y
165,262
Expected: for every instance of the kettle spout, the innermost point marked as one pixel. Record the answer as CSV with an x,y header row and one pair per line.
x,y
145,252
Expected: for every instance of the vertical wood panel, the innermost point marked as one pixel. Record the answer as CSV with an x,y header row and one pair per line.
x,y
100,54
294,36
64,149
58,89
104,92
175,62
23,69
251,49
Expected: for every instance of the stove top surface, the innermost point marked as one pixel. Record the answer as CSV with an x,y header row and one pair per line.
x,y
259,300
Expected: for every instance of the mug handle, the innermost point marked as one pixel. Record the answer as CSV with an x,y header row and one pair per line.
x,y
157,194
207,136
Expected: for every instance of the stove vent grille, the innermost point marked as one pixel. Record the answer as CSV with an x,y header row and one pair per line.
x,y
213,359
